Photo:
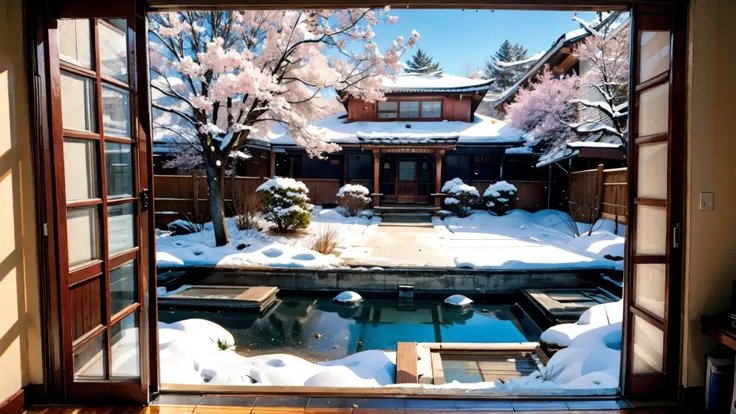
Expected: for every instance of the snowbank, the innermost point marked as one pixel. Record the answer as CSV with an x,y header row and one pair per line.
x,y
251,248
597,316
190,356
458,300
348,297
522,240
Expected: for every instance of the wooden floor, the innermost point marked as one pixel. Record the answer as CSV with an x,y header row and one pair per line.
x,y
210,404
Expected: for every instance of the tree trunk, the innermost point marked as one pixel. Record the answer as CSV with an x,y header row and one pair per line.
x,y
216,185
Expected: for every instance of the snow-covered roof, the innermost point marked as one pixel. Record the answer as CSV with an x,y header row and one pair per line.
x,y
569,149
520,151
435,83
335,129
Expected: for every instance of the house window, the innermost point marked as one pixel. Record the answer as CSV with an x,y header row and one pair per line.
x,y
388,110
431,109
409,109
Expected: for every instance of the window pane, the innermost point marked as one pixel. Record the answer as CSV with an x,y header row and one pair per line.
x,y
119,169
431,109
407,171
114,49
116,111
655,54
651,230
80,169
409,109
120,228
75,42
648,347
650,288
387,115
388,106
653,110
123,287
78,103
83,234
125,347
89,362
652,171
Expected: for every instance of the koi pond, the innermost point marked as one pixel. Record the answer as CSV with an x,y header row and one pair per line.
x,y
317,329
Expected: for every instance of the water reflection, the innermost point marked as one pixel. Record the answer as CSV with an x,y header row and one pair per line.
x,y
320,330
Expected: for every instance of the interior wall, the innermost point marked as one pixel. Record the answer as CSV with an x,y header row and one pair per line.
x,y
710,235
20,334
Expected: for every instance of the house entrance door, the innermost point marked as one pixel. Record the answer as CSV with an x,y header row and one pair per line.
x,y
406,186
102,217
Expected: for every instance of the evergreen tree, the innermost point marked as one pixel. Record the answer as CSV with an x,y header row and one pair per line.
x,y
506,76
422,63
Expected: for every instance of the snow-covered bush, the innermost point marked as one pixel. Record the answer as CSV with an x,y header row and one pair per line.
x,y
353,198
181,227
285,203
499,196
461,197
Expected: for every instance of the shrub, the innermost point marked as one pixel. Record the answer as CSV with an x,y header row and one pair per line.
x,y
181,227
285,203
248,212
353,198
326,240
499,196
461,197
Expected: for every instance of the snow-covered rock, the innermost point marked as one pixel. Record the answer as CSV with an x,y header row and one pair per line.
x,y
458,300
595,317
348,297
216,333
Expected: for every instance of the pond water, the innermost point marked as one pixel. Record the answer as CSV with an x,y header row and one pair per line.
x,y
318,329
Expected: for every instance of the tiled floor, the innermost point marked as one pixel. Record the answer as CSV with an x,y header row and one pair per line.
x,y
210,404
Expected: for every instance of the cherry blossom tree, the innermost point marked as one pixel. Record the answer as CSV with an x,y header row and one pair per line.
x,y
557,108
219,77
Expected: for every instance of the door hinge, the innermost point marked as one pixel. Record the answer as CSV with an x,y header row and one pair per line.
x,y
676,236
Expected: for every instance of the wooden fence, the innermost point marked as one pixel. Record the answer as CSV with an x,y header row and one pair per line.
x,y
598,193
531,195
185,196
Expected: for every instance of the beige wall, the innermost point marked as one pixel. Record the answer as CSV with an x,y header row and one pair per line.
x,y
20,338
711,235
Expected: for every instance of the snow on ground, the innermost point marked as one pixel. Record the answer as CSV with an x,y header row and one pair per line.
x,y
193,356
523,240
254,248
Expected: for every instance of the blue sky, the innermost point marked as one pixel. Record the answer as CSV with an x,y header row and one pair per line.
x,y
465,39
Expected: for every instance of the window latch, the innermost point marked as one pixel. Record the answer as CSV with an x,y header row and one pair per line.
x,y
145,197
676,236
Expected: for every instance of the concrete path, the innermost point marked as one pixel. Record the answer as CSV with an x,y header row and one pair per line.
x,y
400,243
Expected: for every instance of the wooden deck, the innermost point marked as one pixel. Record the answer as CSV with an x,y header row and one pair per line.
x,y
564,305
257,298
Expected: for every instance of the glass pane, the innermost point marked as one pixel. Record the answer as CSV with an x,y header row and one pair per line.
x,y
120,228
114,49
125,347
653,110
432,109
652,171
655,54
409,109
78,103
119,170
407,171
75,42
388,106
89,362
83,234
123,287
648,347
80,169
387,115
651,230
650,288
116,111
